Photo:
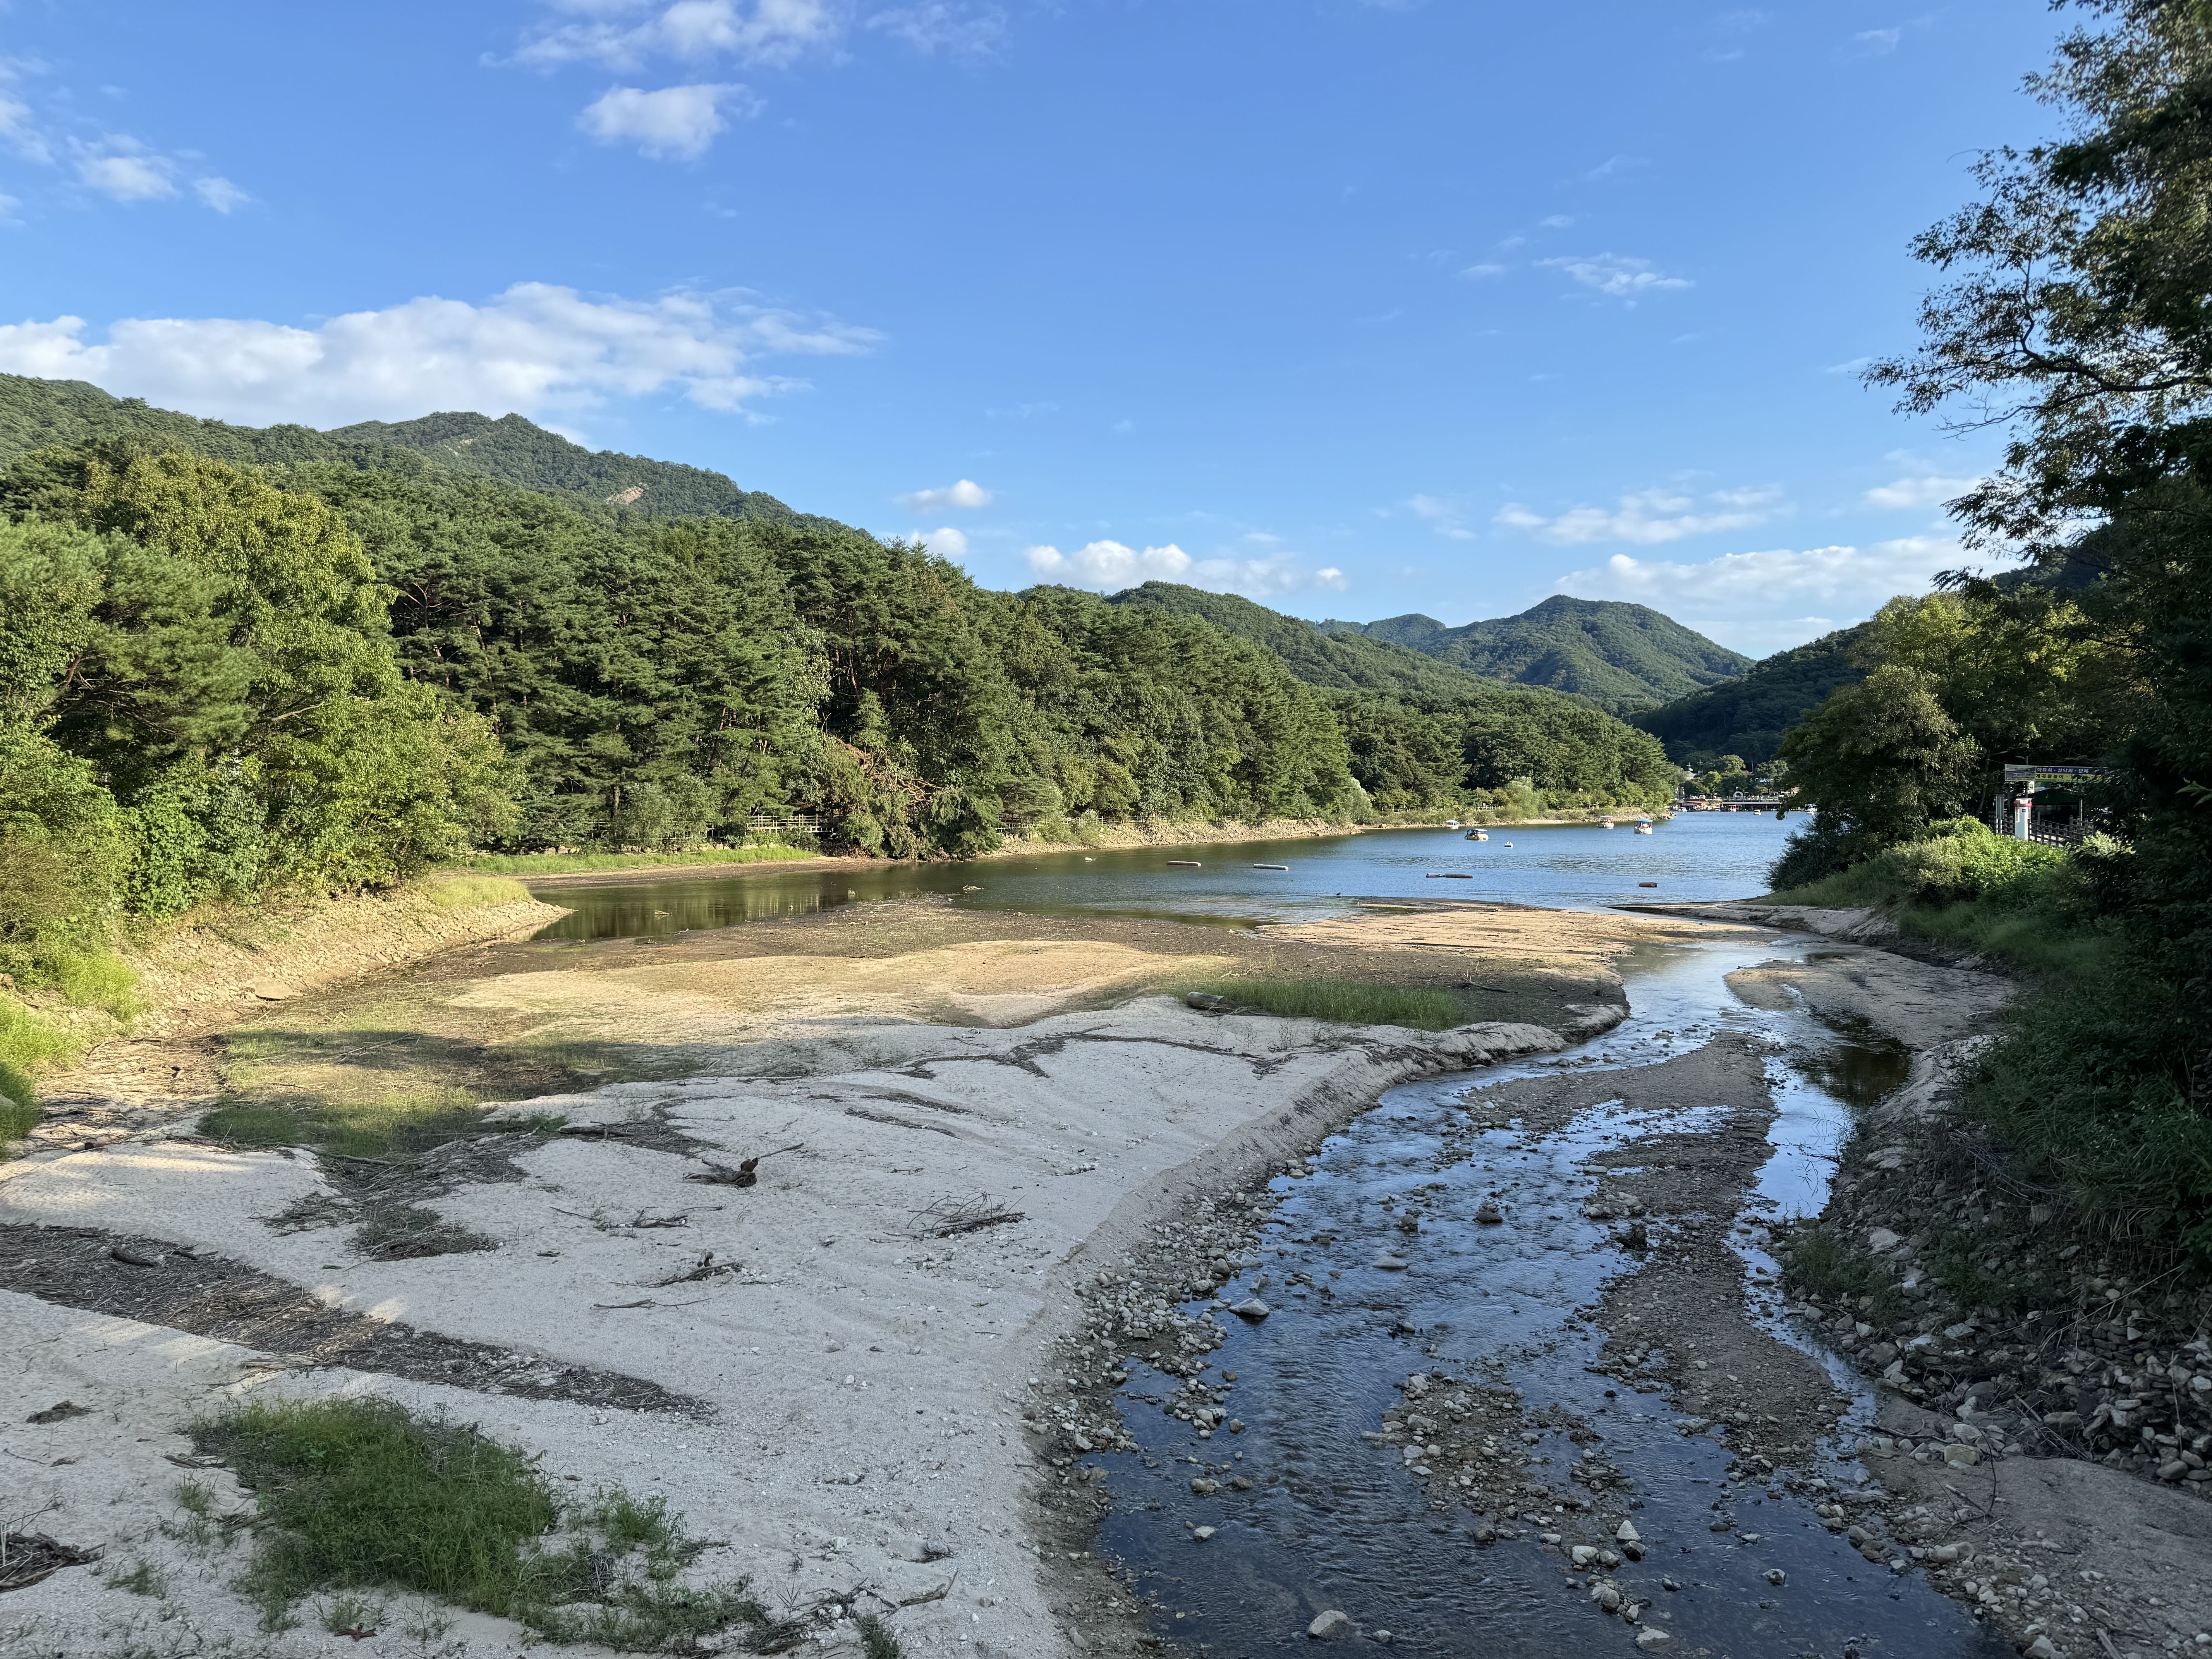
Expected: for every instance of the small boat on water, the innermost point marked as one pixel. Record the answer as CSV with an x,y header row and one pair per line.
x,y
1605,823
1644,830
1270,867
1451,824
1478,834
1182,864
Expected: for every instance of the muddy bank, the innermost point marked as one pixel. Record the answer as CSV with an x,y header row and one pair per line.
x,y
2046,1402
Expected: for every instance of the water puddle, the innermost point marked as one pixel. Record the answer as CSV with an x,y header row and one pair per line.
x,y
1333,1520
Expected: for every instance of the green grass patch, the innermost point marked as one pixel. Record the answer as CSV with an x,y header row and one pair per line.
x,y
449,891
359,1496
396,1125
558,864
1348,1002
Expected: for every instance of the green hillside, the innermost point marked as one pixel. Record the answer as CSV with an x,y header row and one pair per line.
x,y
1342,662
39,414
1621,657
520,453
1747,717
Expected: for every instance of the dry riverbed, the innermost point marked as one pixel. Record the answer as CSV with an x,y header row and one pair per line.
x,y
1010,1182
959,1114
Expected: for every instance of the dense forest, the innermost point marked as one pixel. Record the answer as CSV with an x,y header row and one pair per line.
x,y
1747,717
234,661
2076,307
1621,657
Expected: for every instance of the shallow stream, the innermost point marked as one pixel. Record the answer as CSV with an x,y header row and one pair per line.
x,y
1336,1521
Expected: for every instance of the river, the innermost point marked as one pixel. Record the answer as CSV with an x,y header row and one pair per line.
x,y
1340,1522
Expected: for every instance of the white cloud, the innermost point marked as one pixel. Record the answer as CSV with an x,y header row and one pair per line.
x,y
966,492
1110,566
775,32
1735,584
945,542
1615,166
1444,516
957,30
126,177
1557,221
1617,275
1921,492
678,122
534,349
1649,517
1478,272
19,132
220,193
1879,42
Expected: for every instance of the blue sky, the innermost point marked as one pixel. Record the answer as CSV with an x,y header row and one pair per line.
x,y
1356,306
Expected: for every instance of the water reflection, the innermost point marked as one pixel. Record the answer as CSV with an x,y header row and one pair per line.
x,y
1703,856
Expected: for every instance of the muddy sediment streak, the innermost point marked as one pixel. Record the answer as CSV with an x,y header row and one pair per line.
x,y
209,1295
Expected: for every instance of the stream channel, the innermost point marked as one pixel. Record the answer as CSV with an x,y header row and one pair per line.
x,y
1338,1522
1335,1520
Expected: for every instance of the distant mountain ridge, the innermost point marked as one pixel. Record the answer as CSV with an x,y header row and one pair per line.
x,y
37,414
1746,717
1622,657
1342,662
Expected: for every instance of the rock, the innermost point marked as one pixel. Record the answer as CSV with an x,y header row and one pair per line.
x,y
909,1546
271,990
1961,1454
1626,1532
1326,1627
1392,1264
1636,1236
1485,1534
1650,1637
1775,1577
135,1256
2041,1648
1201,1533
1240,1484
1606,1595
1581,1555
1882,1241
1203,1487
1251,1307
2172,1470
1205,1002
1488,1213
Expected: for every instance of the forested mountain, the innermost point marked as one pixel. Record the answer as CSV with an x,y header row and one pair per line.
x,y
1746,717
1419,729
35,414
1621,657
234,658
1342,662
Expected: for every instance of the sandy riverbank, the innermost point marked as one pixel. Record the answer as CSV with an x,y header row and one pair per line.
x,y
843,1384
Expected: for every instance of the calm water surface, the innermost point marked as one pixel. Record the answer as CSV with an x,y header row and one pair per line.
x,y
1704,855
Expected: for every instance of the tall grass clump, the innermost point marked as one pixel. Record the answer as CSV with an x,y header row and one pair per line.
x,y
1346,1002
361,1495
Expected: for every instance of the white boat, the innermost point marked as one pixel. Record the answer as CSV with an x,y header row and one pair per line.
x,y
1644,830
1451,824
1478,834
1605,823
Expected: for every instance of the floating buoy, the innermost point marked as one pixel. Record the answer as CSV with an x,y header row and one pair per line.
x,y
1509,843
1182,864
1270,867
